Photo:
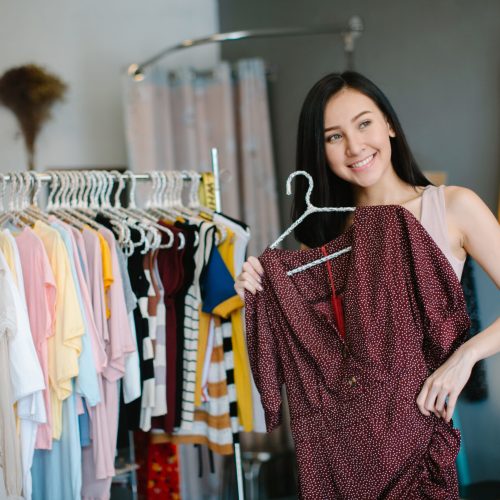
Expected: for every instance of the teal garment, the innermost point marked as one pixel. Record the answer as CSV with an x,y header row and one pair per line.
x,y
57,473
84,422
462,463
86,382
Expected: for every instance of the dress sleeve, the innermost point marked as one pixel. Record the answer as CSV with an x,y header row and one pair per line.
x,y
263,353
440,301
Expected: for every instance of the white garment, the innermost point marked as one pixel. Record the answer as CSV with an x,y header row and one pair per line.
x,y
27,382
11,477
132,379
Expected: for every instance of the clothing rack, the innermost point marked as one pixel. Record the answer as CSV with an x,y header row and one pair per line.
x,y
130,176
349,34
47,177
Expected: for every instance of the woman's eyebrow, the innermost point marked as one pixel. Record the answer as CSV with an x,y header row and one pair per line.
x,y
353,120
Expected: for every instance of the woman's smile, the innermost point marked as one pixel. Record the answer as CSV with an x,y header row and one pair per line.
x,y
363,164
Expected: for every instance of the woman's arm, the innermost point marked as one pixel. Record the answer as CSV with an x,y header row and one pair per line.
x,y
480,237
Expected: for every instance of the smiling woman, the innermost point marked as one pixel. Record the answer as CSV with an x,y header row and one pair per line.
x,y
409,240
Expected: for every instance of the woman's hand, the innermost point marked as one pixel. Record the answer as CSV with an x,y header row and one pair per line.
x,y
250,277
440,391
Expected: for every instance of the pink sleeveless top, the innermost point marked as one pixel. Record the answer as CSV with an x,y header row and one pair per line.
x,y
433,218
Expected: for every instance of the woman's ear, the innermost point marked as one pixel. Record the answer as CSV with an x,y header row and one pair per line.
x,y
391,130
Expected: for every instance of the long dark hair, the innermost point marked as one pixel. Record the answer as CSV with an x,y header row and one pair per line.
x,y
330,190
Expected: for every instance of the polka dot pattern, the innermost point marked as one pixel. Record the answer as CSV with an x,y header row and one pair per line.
x,y
357,429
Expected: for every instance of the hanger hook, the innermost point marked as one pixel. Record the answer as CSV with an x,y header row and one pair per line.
x,y
38,186
154,188
71,189
133,183
28,180
119,189
21,192
15,193
52,190
163,189
309,189
194,200
160,178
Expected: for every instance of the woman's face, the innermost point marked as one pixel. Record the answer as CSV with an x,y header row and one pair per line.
x,y
357,147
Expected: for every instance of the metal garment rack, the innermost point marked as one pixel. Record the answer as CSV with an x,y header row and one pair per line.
x,y
131,468
47,177
349,34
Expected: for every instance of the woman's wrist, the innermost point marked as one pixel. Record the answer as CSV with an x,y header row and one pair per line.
x,y
469,353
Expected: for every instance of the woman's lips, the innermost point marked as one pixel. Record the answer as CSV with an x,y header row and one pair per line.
x,y
366,163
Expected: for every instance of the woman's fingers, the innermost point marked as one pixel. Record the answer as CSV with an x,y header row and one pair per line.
x,y
253,269
422,397
256,265
440,405
430,400
250,282
250,278
450,406
440,391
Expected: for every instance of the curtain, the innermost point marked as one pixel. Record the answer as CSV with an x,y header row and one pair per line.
x,y
174,118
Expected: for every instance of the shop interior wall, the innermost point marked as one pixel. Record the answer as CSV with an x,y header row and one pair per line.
x,y
89,45
438,62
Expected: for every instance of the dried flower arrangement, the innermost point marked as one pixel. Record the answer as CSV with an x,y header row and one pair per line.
x,y
30,91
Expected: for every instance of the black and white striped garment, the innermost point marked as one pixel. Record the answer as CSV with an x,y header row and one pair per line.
x,y
148,403
160,361
206,232
227,345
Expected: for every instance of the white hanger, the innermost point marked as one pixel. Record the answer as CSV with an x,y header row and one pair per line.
x,y
318,261
310,207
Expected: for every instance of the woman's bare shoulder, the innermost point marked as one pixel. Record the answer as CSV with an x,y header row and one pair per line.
x,y
478,227
462,201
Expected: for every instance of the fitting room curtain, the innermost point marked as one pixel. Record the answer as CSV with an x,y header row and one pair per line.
x,y
173,119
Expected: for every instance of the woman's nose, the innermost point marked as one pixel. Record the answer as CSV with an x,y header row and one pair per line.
x,y
353,146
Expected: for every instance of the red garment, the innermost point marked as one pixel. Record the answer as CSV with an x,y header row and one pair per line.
x,y
158,474
357,430
172,277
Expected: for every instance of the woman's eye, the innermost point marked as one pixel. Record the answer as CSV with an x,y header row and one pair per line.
x,y
364,124
333,138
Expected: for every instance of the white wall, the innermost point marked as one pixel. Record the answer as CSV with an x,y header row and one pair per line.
x,y
89,44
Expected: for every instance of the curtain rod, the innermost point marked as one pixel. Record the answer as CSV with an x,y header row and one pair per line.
x,y
349,34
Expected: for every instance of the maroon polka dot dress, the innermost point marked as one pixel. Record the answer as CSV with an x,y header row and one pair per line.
x,y
357,430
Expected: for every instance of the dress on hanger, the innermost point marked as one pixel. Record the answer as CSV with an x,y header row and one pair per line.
x,y
357,429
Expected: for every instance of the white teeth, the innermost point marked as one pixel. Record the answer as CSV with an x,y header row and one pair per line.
x,y
362,163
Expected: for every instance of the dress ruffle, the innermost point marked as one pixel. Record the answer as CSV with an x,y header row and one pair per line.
x,y
438,479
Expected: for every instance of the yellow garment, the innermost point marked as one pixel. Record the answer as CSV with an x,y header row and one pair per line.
x,y
8,253
65,345
203,329
232,308
107,270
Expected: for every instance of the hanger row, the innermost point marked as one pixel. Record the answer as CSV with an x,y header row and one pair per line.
x,y
78,196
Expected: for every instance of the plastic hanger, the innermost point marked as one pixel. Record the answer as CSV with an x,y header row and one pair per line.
x,y
163,201
146,218
310,210
33,179
310,207
194,211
